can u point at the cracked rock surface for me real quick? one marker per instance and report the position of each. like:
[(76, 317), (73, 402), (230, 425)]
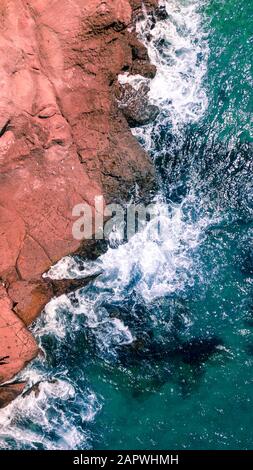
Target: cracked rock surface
[(63, 141)]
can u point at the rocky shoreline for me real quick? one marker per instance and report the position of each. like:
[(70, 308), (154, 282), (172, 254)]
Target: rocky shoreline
[(64, 138)]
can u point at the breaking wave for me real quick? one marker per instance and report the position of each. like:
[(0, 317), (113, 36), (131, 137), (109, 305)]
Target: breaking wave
[(178, 46)]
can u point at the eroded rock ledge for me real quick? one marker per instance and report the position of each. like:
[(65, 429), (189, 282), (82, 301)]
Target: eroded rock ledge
[(63, 140)]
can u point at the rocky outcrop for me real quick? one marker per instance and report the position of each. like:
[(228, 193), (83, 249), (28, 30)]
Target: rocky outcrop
[(137, 5), (17, 346), (29, 298), (135, 104), (9, 392), (63, 141)]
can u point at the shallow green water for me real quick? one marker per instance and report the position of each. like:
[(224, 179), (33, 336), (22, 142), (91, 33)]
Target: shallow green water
[(187, 383)]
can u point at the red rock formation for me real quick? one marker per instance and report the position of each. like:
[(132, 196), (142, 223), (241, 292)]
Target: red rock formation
[(63, 141), (10, 392), (17, 346)]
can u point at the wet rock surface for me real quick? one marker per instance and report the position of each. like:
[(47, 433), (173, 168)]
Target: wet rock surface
[(135, 105), (63, 141), (9, 392), (17, 346)]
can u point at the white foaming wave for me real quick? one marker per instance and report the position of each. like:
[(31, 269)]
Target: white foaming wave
[(55, 323), (180, 70), (109, 332), (69, 268), (179, 49), (152, 265), (60, 314), (30, 419), (164, 262)]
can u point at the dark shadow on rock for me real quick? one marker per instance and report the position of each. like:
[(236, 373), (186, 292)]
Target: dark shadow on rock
[(135, 105), (9, 392), (92, 249), (66, 286)]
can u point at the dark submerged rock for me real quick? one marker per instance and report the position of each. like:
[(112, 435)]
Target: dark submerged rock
[(161, 13), (194, 352), (199, 350)]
